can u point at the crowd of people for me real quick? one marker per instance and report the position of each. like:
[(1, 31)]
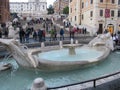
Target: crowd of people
[(46, 27), (26, 31), (116, 38)]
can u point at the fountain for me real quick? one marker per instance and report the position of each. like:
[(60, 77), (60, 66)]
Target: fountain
[(24, 77), (98, 49), (71, 47)]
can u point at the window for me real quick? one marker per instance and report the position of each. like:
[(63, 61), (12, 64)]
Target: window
[(82, 4), (91, 14), (75, 18), (118, 13), (21, 9), (101, 13), (113, 1), (91, 1), (112, 13), (101, 1), (43, 7)]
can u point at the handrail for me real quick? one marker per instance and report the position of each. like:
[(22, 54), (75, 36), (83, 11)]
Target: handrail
[(91, 80)]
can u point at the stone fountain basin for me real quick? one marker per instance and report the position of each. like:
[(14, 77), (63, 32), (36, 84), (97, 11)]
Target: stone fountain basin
[(46, 64)]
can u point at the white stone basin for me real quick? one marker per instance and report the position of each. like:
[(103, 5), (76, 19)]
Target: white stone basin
[(67, 64)]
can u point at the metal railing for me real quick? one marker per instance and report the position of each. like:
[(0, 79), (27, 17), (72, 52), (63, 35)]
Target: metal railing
[(92, 80)]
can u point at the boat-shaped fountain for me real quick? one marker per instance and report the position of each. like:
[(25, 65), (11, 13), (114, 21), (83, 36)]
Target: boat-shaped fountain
[(61, 59)]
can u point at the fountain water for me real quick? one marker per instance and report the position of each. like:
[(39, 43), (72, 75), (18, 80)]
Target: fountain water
[(71, 41)]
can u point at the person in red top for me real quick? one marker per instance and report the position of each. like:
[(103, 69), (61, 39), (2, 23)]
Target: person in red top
[(43, 34), (73, 32)]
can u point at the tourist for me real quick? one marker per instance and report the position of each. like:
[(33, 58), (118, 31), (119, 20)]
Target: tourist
[(118, 38), (115, 39), (61, 34), (43, 34), (27, 34), (35, 34), (6, 31), (55, 33), (85, 31), (22, 35), (73, 32), (70, 32), (40, 33), (0, 33), (52, 34)]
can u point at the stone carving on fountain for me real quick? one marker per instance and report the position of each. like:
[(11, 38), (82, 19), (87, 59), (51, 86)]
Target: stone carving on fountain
[(102, 40), (22, 55)]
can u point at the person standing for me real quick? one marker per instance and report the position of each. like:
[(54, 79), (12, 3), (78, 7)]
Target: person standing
[(55, 33), (73, 32), (61, 34), (85, 31), (35, 34), (22, 35), (6, 32), (40, 33), (43, 34), (52, 34), (115, 38), (27, 34), (70, 32), (0, 33)]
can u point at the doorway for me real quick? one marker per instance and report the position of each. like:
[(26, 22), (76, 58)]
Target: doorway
[(100, 30)]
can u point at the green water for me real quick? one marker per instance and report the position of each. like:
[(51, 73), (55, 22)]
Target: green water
[(21, 79)]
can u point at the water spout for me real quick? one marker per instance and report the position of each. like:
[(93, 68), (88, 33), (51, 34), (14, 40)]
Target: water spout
[(71, 41), (61, 44), (76, 42)]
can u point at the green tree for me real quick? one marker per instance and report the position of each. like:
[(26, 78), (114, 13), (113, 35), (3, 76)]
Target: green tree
[(50, 9), (66, 10)]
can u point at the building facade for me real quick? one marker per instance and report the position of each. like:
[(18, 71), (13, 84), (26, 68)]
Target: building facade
[(59, 5), (118, 20), (32, 7), (96, 15), (4, 11)]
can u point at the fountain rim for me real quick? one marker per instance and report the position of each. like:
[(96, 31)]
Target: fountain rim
[(105, 50)]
